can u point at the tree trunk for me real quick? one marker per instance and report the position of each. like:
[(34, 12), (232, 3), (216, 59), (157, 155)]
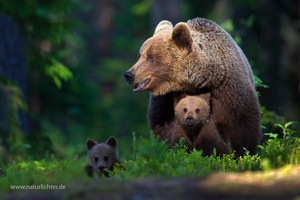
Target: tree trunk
[(12, 78)]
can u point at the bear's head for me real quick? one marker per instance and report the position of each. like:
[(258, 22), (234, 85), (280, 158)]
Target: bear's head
[(192, 111), (162, 58), (102, 155)]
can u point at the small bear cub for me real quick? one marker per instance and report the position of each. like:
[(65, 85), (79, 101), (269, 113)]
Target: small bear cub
[(103, 156), (193, 115)]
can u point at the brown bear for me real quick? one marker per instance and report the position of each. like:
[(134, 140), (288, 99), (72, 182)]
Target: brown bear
[(198, 57), (103, 156), (192, 113)]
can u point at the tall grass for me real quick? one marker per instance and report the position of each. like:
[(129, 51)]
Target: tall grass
[(150, 158)]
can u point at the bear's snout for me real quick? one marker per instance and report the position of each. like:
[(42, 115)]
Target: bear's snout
[(189, 119), (129, 77), (100, 167)]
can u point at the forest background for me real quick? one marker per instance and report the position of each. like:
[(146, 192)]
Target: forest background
[(62, 64)]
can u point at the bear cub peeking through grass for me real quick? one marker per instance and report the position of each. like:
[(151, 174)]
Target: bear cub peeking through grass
[(193, 114), (103, 156)]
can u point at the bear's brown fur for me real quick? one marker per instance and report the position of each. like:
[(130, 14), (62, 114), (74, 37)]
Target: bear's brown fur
[(197, 57), (103, 156), (192, 113)]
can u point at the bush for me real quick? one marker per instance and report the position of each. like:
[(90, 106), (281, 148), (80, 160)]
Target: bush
[(278, 152)]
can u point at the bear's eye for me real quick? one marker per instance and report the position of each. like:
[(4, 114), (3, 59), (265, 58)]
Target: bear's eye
[(150, 58), (105, 158), (185, 110), (197, 110), (96, 159)]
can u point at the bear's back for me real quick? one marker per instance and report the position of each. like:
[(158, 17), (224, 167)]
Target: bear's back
[(214, 32)]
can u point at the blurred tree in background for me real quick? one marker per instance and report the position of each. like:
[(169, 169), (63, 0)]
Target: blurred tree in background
[(69, 58)]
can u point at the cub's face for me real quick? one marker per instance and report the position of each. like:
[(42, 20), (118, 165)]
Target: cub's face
[(192, 111), (159, 59), (102, 155)]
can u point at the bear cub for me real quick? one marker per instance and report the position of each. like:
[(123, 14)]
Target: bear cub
[(193, 114), (103, 156)]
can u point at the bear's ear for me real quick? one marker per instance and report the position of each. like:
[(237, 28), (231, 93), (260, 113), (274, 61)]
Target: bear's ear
[(181, 36), (163, 25), (90, 143), (112, 141)]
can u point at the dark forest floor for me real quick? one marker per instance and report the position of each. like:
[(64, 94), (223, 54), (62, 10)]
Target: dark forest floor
[(283, 183)]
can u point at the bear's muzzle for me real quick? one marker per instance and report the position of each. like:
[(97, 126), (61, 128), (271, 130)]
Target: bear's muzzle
[(129, 77)]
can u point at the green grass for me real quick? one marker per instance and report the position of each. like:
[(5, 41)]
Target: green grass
[(149, 158)]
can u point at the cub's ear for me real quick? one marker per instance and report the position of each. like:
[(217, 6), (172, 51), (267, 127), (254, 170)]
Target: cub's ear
[(112, 141), (163, 25), (181, 36), (90, 143)]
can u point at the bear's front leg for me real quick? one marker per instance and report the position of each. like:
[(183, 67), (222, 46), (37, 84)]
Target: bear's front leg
[(160, 110), (89, 170), (209, 139)]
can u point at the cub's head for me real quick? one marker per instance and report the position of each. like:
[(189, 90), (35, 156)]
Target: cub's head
[(192, 111), (103, 155), (160, 59)]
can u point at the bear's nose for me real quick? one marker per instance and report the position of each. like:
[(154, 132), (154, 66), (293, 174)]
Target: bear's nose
[(189, 119), (129, 77), (101, 167)]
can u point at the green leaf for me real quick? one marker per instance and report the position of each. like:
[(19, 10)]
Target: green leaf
[(272, 135), (23, 165), (259, 83), (228, 25), (288, 124), (58, 72), (280, 126)]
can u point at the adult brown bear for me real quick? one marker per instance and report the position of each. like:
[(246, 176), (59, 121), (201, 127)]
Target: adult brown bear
[(198, 57)]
